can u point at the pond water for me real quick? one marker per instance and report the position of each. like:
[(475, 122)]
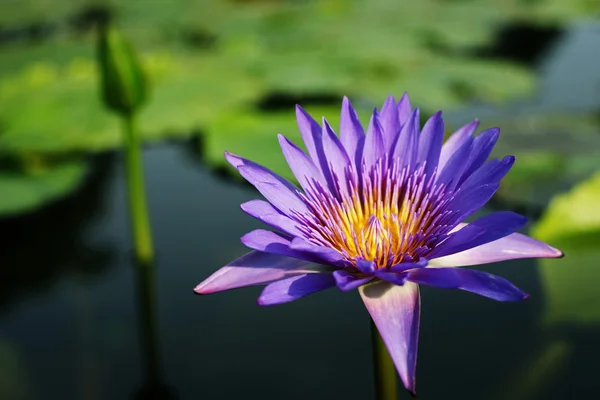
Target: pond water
[(78, 320), (70, 321)]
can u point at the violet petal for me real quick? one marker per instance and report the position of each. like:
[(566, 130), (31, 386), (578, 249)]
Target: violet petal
[(396, 313), (254, 268), (265, 212), (347, 281), (290, 289), (511, 247), (479, 282), (481, 231)]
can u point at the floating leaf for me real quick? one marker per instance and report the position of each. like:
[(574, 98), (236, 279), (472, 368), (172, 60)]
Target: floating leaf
[(572, 223), (573, 214), (26, 191)]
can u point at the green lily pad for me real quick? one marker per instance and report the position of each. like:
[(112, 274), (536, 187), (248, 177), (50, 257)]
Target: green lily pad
[(65, 114), (553, 152), (27, 191), (254, 136), (572, 223), (573, 214)]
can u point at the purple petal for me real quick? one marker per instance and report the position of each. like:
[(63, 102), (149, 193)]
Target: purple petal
[(313, 139), (396, 311), (491, 172), (401, 267), (511, 247), (483, 144), (397, 278), (405, 147), (311, 134), (338, 161), (325, 254), (347, 281), (265, 212), (467, 201), (456, 140), (301, 165), (293, 288), (481, 231), (404, 109), (278, 191), (430, 143), (452, 171), (390, 122), (352, 134), (366, 267), (254, 268), (478, 282), (374, 147), (276, 243)]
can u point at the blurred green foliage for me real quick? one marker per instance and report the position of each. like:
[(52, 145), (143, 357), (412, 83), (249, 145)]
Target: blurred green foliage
[(572, 223), (553, 152), (211, 62)]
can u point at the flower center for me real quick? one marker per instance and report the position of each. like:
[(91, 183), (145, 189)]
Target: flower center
[(389, 214)]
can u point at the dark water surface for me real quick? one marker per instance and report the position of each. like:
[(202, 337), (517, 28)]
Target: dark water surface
[(71, 331)]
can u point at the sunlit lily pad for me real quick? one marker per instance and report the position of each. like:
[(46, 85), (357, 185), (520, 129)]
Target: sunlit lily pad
[(57, 109), (572, 223)]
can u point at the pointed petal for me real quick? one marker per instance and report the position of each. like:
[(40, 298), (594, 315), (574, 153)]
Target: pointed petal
[(483, 144), (374, 147), (301, 165), (479, 282), (325, 254), (266, 213), (254, 268), (472, 199), (352, 134), (287, 290), (278, 191), (347, 281), (405, 147), (481, 231), (313, 138), (311, 134), (390, 122), (396, 311), (276, 243), (430, 143), (404, 109), (491, 172), (452, 171), (337, 159), (456, 140), (511, 247)]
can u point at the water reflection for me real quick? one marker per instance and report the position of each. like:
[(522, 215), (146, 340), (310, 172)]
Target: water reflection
[(41, 248), (154, 387)]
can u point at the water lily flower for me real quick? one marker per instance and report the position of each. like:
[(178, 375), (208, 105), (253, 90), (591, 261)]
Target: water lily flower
[(381, 212)]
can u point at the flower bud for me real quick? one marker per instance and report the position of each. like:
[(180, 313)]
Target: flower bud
[(122, 80)]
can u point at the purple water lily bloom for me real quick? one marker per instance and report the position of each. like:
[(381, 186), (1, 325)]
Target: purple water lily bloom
[(382, 212)]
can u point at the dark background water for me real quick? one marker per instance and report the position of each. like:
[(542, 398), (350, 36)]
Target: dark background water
[(79, 320), (70, 311)]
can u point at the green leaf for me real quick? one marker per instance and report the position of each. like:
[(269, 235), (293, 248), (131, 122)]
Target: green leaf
[(572, 214), (572, 223), (27, 191)]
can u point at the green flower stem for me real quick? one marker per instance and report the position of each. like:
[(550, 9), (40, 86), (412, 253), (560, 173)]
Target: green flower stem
[(138, 209), (386, 377)]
